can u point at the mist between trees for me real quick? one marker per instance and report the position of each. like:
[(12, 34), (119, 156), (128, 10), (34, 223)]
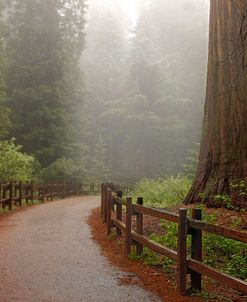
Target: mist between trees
[(90, 90)]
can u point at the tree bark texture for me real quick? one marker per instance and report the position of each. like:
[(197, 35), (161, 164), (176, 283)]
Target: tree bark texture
[(223, 153)]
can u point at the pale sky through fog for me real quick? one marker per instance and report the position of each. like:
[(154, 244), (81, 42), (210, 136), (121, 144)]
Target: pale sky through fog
[(130, 6)]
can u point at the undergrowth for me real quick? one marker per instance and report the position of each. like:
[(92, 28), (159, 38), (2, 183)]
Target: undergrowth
[(229, 256), (162, 192)]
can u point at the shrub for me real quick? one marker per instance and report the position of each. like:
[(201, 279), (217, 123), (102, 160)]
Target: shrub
[(163, 192), (15, 165)]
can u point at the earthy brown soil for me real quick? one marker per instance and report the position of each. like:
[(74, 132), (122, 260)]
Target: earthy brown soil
[(160, 283), (148, 277)]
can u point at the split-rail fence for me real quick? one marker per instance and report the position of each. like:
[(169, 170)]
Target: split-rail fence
[(15, 193), (112, 203)]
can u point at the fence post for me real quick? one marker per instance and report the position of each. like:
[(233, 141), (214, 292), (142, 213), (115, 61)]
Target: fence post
[(196, 251), (43, 193), (51, 191), (182, 252), (10, 195), (109, 209), (139, 227), (32, 191), (128, 238), (102, 200), (20, 193), (105, 203), (63, 191), (119, 213), (92, 189)]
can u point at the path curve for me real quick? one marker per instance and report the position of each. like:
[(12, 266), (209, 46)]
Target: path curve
[(47, 254)]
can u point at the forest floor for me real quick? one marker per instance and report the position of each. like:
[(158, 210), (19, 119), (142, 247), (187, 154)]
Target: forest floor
[(154, 278)]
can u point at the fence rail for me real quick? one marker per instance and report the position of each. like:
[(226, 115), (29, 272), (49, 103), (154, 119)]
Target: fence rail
[(15, 193), (112, 203)]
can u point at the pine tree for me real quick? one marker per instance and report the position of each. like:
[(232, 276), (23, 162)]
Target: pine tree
[(45, 87), (4, 111)]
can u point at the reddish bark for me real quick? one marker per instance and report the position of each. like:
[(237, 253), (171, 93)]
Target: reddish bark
[(223, 153)]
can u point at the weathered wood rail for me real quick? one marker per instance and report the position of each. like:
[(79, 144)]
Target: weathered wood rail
[(15, 193), (112, 203)]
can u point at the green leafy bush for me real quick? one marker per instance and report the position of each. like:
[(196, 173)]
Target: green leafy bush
[(163, 192), (15, 165)]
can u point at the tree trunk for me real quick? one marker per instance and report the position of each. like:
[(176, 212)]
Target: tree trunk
[(223, 153)]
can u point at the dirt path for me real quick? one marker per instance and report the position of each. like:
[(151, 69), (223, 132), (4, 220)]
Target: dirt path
[(47, 254)]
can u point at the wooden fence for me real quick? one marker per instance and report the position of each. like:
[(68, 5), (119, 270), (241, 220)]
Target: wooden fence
[(112, 204), (15, 193)]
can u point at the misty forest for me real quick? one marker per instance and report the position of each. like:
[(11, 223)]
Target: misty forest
[(143, 101), (125, 92), (91, 90)]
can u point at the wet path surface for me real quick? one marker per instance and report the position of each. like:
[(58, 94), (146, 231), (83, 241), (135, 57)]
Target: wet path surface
[(46, 254)]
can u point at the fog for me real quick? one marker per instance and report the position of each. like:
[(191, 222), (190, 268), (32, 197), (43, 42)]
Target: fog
[(103, 90), (145, 73)]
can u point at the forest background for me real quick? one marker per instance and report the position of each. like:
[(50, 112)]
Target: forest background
[(94, 91)]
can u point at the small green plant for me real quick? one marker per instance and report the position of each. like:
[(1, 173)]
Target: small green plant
[(241, 187), (113, 235), (224, 200), (151, 258)]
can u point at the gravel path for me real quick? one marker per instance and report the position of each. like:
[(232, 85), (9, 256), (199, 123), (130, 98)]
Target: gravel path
[(46, 254)]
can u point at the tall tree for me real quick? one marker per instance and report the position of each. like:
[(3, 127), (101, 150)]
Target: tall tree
[(45, 89), (4, 111), (223, 156)]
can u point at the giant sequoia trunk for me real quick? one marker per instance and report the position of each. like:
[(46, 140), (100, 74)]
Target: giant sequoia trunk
[(223, 153)]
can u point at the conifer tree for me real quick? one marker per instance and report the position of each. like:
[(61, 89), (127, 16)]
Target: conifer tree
[(45, 87), (4, 111)]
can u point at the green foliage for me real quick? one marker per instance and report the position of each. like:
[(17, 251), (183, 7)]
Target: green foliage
[(163, 192), (43, 78), (230, 256), (5, 123), (14, 164), (226, 254), (61, 170), (151, 258), (224, 200), (241, 188)]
